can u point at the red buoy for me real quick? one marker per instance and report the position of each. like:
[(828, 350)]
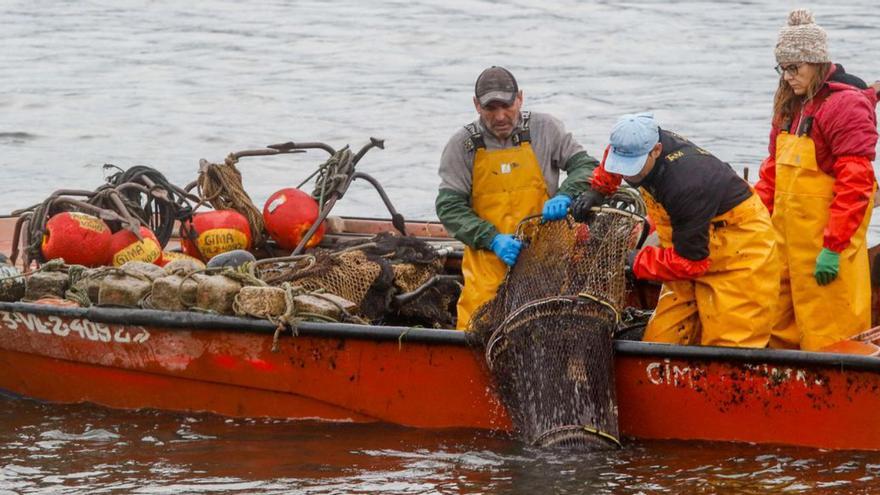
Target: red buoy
[(214, 232), (289, 213), (79, 238), (125, 247)]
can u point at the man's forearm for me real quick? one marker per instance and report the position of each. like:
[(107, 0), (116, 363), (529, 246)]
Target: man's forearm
[(455, 212), (578, 169)]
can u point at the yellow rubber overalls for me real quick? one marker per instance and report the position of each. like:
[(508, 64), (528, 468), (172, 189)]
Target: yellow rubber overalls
[(507, 186), (809, 315), (732, 303)]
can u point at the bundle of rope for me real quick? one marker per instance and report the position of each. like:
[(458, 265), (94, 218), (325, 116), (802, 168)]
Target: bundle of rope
[(34, 232), (130, 198), (159, 204), (220, 186), (84, 284), (332, 175)]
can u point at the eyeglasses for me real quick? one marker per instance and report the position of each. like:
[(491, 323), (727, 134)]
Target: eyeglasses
[(790, 69)]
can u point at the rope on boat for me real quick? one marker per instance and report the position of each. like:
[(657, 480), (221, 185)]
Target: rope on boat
[(130, 198), (242, 274), (220, 186), (77, 274), (293, 316), (332, 176), (628, 199), (36, 229), (159, 204), (288, 319), (55, 265)]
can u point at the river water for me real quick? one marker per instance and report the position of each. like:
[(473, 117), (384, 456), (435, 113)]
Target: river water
[(86, 449), (164, 83)]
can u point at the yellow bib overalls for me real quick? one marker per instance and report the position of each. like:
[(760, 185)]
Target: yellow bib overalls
[(809, 315), (732, 303), (507, 186)]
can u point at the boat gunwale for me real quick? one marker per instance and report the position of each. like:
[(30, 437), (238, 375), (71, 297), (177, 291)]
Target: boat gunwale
[(202, 321)]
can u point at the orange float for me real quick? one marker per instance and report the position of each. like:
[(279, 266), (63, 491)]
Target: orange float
[(125, 247), (288, 214), (213, 232), (78, 238)]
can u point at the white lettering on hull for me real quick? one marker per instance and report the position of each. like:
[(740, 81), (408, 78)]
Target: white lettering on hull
[(75, 327), (666, 373)]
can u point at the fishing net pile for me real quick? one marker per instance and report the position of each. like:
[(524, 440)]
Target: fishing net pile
[(80, 246), (385, 279), (388, 278), (547, 335)]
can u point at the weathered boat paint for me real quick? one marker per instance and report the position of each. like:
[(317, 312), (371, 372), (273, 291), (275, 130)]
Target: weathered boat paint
[(419, 377)]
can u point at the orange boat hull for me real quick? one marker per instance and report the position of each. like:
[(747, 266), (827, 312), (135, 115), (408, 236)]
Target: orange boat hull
[(422, 378)]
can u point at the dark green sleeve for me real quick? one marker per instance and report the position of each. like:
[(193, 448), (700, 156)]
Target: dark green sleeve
[(578, 170), (455, 212)]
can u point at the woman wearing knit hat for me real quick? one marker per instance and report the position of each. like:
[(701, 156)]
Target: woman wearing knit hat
[(818, 183)]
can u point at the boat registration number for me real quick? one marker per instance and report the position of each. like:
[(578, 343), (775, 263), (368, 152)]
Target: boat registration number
[(74, 327)]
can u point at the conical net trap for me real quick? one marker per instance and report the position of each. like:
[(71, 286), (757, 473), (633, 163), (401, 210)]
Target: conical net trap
[(548, 332)]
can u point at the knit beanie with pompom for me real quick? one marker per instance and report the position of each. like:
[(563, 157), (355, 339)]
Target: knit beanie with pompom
[(802, 40)]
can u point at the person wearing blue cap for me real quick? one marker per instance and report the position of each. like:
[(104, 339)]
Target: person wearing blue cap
[(498, 170), (717, 258)]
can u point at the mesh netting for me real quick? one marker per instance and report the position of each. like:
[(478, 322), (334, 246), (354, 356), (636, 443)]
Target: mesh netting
[(548, 332), (352, 276), (372, 273)]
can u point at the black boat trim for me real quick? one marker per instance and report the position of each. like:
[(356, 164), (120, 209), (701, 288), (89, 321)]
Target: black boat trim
[(202, 321)]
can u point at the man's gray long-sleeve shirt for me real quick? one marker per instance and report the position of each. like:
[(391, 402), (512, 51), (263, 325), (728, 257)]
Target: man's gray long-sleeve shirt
[(555, 149)]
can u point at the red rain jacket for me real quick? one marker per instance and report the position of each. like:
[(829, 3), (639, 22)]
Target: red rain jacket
[(845, 135)]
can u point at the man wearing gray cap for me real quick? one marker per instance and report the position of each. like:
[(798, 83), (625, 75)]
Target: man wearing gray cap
[(717, 258), (498, 170)]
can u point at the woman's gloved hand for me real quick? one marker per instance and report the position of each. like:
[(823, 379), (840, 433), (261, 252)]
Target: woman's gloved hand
[(827, 266), (506, 247), (580, 209), (556, 208)]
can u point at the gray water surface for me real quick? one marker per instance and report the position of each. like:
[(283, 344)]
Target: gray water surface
[(87, 450), (164, 83)]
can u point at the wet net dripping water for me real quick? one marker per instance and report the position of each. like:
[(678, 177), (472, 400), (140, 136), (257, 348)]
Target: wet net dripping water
[(547, 335)]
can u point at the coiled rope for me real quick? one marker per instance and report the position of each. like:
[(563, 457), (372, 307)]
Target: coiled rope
[(220, 186), (332, 176), (159, 214)]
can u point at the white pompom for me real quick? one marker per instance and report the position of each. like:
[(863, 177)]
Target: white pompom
[(800, 16)]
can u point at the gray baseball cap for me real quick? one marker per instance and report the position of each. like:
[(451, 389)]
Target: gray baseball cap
[(496, 84)]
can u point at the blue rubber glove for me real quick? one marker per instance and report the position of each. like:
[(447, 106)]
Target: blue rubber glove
[(556, 208), (506, 247)]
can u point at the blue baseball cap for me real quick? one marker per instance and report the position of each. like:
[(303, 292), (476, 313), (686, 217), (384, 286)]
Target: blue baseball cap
[(632, 139)]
